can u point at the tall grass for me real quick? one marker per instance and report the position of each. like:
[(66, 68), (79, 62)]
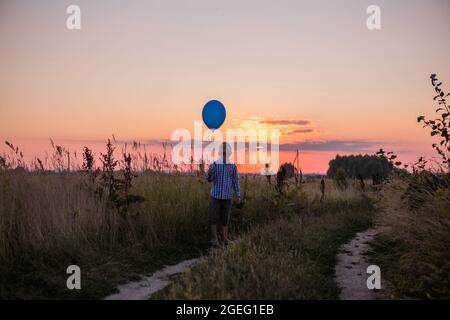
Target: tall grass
[(52, 216), (292, 257), (413, 249), (49, 221)]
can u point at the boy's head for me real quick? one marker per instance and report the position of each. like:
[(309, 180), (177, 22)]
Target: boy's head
[(225, 152)]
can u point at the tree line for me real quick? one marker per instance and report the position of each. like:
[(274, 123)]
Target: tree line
[(356, 166)]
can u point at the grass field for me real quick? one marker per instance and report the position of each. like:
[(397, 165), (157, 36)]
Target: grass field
[(50, 221), (414, 245), (286, 244), (292, 257)]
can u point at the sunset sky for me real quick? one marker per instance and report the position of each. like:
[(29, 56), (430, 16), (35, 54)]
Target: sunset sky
[(141, 69)]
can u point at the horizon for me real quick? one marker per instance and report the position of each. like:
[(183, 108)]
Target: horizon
[(44, 151)]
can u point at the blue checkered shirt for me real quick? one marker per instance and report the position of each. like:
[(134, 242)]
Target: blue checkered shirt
[(225, 179)]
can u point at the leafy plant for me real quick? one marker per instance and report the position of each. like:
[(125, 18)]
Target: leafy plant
[(440, 126), (340, 179), (389, 156), (89, 164), (108, 180), (118, 190), (285, 172)]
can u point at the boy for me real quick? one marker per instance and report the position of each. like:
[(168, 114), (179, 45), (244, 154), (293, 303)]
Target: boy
[(224, 177)]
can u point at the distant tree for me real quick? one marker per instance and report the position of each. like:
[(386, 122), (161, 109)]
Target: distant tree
[(364, 166), (340, 179)]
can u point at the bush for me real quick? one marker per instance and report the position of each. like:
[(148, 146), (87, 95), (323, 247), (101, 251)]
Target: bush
[(340, 179)]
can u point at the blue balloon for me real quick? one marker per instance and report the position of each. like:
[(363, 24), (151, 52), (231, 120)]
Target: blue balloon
[(214, 114)]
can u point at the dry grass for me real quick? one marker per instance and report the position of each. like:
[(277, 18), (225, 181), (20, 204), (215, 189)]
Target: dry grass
[(51, 220), (292, 257), (413, 249)]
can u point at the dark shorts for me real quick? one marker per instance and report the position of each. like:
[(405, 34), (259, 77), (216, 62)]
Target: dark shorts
[(219, 211)]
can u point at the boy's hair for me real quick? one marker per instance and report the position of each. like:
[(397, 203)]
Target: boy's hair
[(227, 147)]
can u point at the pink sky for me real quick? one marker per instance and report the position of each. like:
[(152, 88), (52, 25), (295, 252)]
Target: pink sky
[(141, 69)]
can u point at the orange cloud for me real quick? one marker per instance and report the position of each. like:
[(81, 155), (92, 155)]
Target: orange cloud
[(299, 131), (287, 122), (288, 128)]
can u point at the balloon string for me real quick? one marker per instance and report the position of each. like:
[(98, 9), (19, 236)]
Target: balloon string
[(209, 133)]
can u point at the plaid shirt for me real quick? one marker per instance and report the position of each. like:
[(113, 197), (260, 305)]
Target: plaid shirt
[(225, 179)]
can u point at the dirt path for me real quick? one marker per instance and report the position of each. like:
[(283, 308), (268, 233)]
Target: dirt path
[(352, 259), (145, 288), (351, 268)]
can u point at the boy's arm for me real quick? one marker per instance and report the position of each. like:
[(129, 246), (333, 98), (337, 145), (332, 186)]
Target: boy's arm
[(210, 175), (236, 182)]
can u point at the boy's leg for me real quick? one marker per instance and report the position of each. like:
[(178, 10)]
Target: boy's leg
[(213, 220), (224, 219), (225, 234), (214, 238), (220, 232)]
